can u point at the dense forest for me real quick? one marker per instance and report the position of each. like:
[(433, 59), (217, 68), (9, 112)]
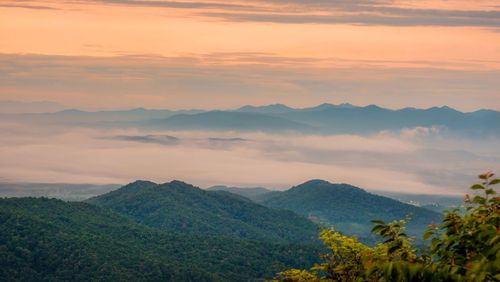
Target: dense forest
[(181, 207), (465, 246), (177, 232), (46, 239), (347, 208)]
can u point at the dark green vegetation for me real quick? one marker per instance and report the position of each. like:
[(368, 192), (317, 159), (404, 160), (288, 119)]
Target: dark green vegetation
[(465, 246), (180, 207), (349, 209), (255, 194), (46, 239), (178, 232)]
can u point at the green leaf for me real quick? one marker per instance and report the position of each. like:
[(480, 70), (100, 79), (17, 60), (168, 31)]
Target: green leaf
[(428, 234), (490, 192), (495, 181), (378, 221), (478, 200), (377, 228), (477, 187)]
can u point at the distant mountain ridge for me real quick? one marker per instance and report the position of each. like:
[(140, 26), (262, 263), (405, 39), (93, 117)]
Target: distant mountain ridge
[(228, 120), (322, 119)]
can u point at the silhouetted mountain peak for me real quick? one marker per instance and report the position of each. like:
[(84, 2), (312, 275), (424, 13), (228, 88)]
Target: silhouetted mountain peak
[(142, 183), (71, 111), (319, 184), (178, 183), (375, 108), (271, 109), (140, 109), (315, 182)]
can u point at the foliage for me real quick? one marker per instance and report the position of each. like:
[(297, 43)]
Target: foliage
[(464, 247), (348, 208), (180, 207), (51, 240)]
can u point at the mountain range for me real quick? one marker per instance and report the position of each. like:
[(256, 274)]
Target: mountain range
[(321, 119), (180, 207), (347, 208), (51, 240), (178, 232)]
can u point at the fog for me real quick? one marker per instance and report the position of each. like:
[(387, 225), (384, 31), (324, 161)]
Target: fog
[(418, 160)]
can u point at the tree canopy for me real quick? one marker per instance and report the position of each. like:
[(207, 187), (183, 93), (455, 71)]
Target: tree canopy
[(463, 247)]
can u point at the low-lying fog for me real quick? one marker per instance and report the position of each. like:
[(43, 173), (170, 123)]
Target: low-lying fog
[(418, 160)]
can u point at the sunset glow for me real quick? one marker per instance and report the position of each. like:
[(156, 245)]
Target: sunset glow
[(329, 38)]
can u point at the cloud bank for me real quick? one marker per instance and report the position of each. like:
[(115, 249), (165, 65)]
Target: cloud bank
[(387, 161)]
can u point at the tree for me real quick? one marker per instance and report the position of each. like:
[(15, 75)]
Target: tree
[(463, 247)]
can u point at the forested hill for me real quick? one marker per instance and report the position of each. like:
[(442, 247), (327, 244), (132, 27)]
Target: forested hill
[(347, 208), (51, 240), (252, 193), (181, 207)]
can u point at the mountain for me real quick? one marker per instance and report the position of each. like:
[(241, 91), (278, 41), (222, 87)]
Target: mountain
[(180, 207), (226, 120), (372, 119), (349, 209), (253, 194), (118, 118), (322, 119), (280, 108), (336, 119), (65, 191), (50, 240), (269, 109)]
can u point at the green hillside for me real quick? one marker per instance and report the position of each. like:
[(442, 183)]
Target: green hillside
[(180, 207), (349, 209), (46, 240), (252, 193)]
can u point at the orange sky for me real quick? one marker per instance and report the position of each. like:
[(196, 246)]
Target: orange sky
[(415, 35)]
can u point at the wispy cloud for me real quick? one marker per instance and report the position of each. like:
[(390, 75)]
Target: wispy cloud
[(406, 18), (25, 6), (359, 12)]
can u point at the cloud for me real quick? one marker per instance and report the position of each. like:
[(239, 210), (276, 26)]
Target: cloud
[(358, 12), (425, 18), (26, 6), (155, 139), (419, 132), (376, 162)]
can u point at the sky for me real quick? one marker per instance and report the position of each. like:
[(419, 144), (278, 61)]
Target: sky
[(115, 54), (224, 54)]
